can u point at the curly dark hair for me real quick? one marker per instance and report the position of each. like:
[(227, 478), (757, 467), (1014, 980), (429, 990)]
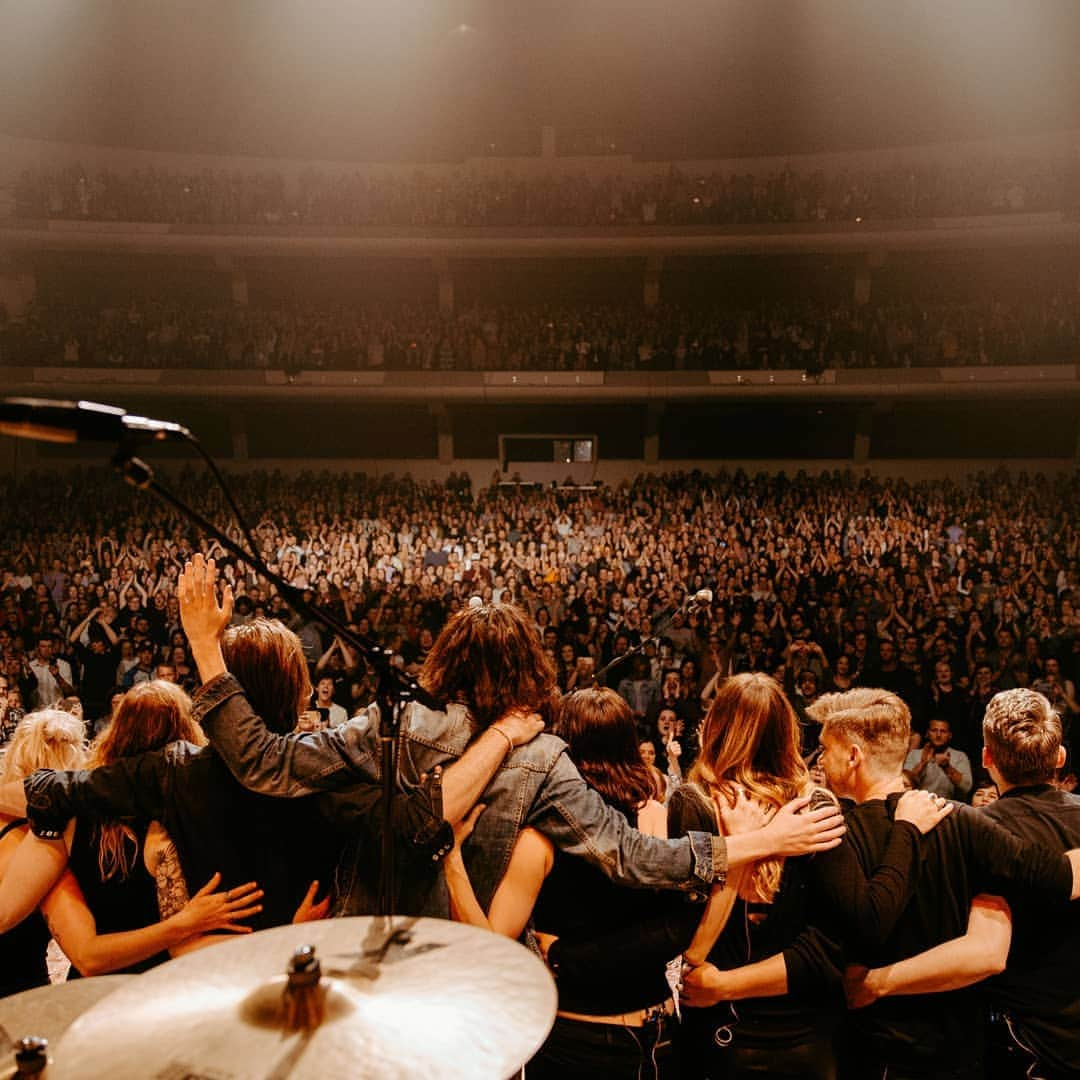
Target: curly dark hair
[(489, 659)]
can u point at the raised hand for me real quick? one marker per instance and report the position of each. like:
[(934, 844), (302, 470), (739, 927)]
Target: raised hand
[(203, 618)]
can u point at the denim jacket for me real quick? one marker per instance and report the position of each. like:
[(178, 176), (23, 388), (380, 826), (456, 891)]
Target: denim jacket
[(536, 786)]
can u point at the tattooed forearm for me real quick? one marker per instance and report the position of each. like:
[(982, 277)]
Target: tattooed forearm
[(172, 893)]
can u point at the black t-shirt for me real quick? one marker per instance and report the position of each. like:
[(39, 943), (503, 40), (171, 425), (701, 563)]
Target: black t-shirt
[(812, 1006), (98, 678), (1040, 988), (965, 855), (125, 901), (581, 906)]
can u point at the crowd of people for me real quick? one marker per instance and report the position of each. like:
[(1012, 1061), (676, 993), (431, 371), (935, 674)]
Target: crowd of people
[(803, 335), (355, 198), (713, 649), (942, 592)]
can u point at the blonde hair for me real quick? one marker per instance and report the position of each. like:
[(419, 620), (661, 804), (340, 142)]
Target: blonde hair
[(47, 739), (1023, 734), (149, 716), (750, 740), (877, 719)]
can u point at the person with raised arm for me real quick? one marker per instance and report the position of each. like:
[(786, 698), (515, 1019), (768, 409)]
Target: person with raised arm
[(486, 663)]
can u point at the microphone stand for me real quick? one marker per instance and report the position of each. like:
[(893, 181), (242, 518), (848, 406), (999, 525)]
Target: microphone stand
[(685, 609), (395, 688)]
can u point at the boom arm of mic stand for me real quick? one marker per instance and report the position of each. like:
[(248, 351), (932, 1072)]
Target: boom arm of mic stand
[(639, 648), (395, 688), (140, 475)]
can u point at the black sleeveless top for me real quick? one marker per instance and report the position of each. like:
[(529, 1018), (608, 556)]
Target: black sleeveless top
[(22, 948), (578, 904), (123, 902)]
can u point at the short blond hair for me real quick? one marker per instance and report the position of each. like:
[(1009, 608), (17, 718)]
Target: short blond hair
[(1023, 735), (877, 719), (46, 739)]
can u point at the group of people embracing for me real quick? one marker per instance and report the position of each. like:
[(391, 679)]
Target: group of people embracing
[(756, 925)]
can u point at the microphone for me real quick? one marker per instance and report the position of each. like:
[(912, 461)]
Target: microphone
[(475, 602), (79, 421)]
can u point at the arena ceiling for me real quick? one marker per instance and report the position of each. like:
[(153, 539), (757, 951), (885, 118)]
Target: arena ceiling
[(442, 79)]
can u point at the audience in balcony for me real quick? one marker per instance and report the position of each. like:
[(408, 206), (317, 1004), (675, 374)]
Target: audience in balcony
[(797, 335), (394, 197)]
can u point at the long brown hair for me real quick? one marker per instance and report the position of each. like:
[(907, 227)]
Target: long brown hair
[(267, 659), (489, 659), (600, 732), (750, 740), (149, 716)]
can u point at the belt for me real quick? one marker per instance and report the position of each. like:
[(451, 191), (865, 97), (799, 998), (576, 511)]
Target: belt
[(629, 1019)]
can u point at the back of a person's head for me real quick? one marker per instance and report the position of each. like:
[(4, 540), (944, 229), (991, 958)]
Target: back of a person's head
[(750, 741), (150, 715), (750, 738), (602, 737), (267, 659), (1023, 735), (876, 719), (47, 739), (490, 659)]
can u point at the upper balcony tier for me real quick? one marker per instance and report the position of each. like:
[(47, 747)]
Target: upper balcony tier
[(1000, 193)]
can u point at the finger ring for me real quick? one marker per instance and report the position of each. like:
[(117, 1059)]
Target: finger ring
[(228, 894)]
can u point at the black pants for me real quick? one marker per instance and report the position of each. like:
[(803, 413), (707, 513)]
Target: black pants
[(1008, 1059), (856, 1067), (709, 1049), (579, 1049)]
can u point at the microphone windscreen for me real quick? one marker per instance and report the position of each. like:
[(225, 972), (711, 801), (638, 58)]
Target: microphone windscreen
[(475, 602)]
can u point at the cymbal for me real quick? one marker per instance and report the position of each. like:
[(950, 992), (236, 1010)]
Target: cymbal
[(49, 1011), (438, 999)]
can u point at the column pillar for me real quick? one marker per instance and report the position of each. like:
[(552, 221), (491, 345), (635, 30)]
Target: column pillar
[(446, 283), (653, 265), (444, 432), (862, 283), (864, 425), (238, 434), (238, 283), (654, 415), (868, 263), (18, 286)]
